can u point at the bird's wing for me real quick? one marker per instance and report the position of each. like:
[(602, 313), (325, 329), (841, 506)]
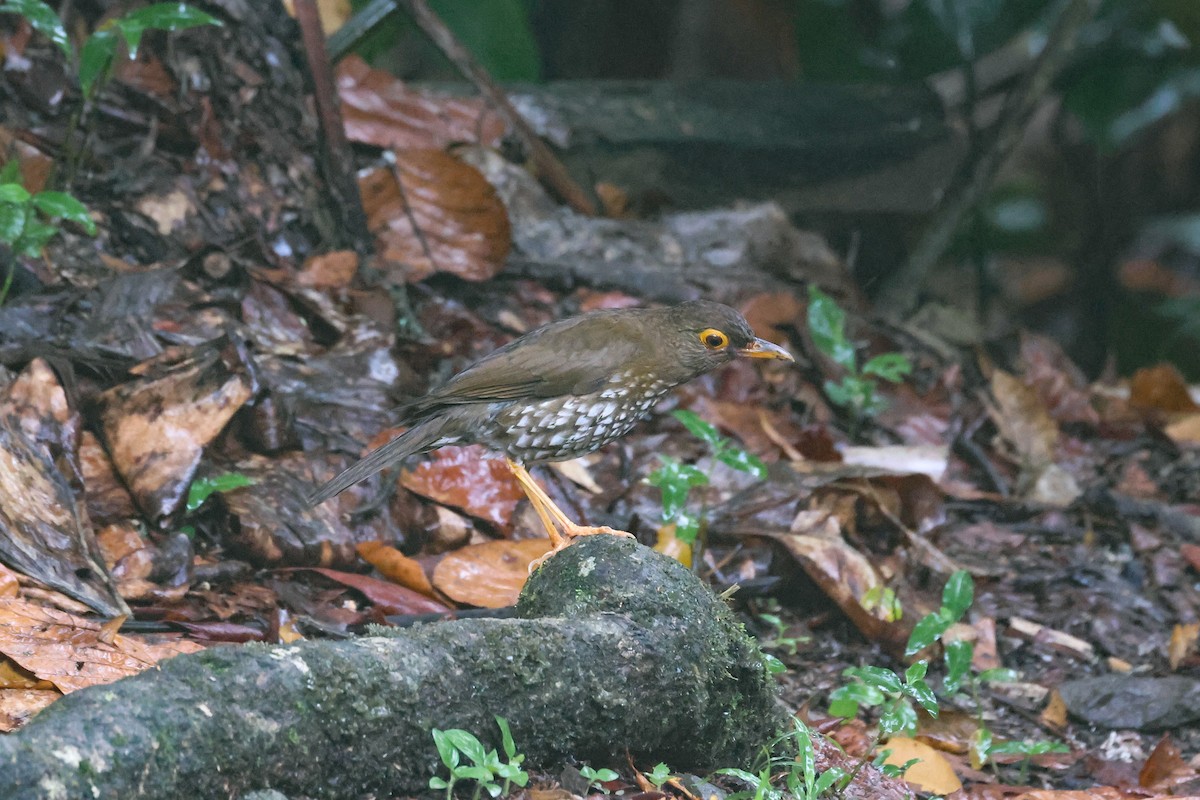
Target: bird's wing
[(577, 362)]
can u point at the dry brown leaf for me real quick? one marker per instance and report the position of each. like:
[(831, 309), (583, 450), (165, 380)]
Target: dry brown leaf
[(68, 650), (1164, 760), (932, 772), (157, 428), (447, 219), (1160, 388), (380, 109), (1185, 431), (395, 566), (1023, 420), (18, 706), (333, 270), (1054, 715), (9, 584), (489, 575)]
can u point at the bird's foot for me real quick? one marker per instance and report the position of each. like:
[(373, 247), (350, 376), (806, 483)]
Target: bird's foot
[(571, 531), (564, 540)]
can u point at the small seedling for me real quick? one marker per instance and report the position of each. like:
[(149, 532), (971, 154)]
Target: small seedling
[(876, 687), (779, 640), (485, 767), (597, 777), (857, 390), (203, 488), (28, 221), (676, 480), (659, 775), (93, 62), (798, 771)]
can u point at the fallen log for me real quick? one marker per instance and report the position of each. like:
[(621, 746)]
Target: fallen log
[(613, 647)]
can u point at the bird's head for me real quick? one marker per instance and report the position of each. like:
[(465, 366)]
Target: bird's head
[(706, 335)]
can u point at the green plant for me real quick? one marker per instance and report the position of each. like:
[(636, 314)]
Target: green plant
[(93, 62), (798, 770), (659, 775), (485, 767), (595, 777), (856, 391), (779, 640), (676, 479), (876, 687), (28, 221), (202, 488)]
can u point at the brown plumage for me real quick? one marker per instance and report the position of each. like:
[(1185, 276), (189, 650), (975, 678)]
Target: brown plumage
[(567, 388)]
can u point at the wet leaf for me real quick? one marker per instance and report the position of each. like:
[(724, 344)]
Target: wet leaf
[(380, 109), (396, 567), (70, 651), (827, 326), (43, 19), (203, 488), (471, 479), (387, 597), (61, 205), (490, 574), (448, 218)]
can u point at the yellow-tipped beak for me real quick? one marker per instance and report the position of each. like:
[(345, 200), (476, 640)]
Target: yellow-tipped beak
[(761, 348)]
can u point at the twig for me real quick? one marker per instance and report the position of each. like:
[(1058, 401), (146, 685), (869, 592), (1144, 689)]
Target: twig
[(339, 160), (547, 165), (901, 292)]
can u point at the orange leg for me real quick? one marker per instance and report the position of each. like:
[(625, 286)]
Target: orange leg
[(553, 517)]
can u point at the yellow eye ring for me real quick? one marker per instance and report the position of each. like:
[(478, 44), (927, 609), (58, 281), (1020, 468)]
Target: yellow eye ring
[(713, 339)]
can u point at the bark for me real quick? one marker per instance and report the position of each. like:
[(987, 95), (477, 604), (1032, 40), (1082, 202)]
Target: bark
[(613, 646)]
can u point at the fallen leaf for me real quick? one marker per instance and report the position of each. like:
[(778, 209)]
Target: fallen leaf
[(1183, 642), (443, 217), (379, 109), (468, 478), (1160, 388), (395, 566), (69, 651), (388, 597), (490, 574), (932, 772)]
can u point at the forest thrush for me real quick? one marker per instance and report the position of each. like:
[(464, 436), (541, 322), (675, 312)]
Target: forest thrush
[(566, 389)]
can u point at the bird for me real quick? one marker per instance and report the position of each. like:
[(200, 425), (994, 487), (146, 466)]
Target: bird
[(564, 390)]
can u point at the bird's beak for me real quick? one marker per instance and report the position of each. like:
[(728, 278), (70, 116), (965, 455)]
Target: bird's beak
[(761, 348)]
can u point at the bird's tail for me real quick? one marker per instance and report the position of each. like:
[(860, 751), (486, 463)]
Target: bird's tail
[(417, 439)]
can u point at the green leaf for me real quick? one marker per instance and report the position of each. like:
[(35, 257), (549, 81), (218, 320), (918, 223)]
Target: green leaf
[(202, 488), (43, 19), (1026, 748), (14, 193), (957, 656), (827, 779), (827, 325), (698, 427), (446, 750), (998, 675), (163, 17), (659, 775), (927, 631), (958, 595), (920, 691), (843, 707), (506, 739), (804, 752), (885, 679), (898, 717), (891, 367), (35, 236), (742, 461), (774, 665), (11, 172), (438, 783), (675, 480), (467, 744), (95, 58), (860, 693), (12, 222), (64, 206)]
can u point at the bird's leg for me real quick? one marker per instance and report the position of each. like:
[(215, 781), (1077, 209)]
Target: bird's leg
[(553, 517)]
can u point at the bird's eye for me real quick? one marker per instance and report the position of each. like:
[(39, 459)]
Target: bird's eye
[(713, 339)]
